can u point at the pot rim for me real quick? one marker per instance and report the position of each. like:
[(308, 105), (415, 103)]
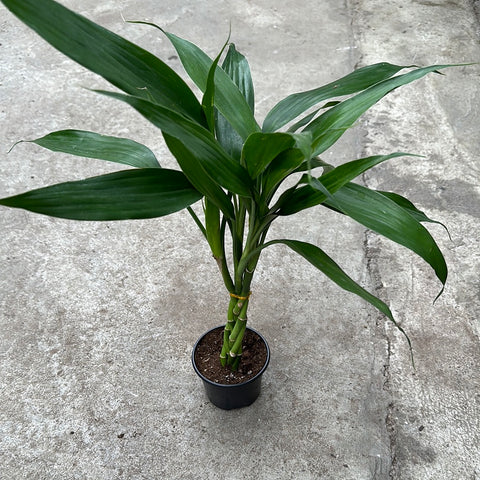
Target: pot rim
[(233, 385)]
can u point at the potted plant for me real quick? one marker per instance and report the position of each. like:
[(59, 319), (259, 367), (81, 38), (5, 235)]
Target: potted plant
[(230, 163)]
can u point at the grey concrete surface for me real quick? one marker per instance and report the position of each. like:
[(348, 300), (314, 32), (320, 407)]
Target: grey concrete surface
[(97, 321)]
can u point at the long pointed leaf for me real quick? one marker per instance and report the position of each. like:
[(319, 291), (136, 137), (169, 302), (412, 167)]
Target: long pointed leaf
[(228, 99), (122, 63), (197, 175), (330, 126), (236, 67), (199, 141), (382, 215), (294, 105), (297, 199), (101, 147), (208, 99), (411, 208), (315, 163), (319, 259), (130, 194), (303, 121)]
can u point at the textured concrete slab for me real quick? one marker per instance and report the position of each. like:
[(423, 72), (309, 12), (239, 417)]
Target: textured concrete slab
[(434, 414), (97, 320)]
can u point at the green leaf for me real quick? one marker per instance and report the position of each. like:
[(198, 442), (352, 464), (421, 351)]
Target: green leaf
[(261, 148), (213, 229), (129, 194), (330, 126), (294, 105), (316, 184), (198, 177), (279, 169), (303, 141), (408, 206), (236, 67), (370, 208), (303, 121), (125, 65), (315, 163), (287, 162), (228, 99), (297, 199), (382, 215), (197, 140), (101, 147), (319, 259), (308, 118), (208, 99)]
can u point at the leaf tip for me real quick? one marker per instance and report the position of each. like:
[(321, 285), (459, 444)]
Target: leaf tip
[(15, 144)]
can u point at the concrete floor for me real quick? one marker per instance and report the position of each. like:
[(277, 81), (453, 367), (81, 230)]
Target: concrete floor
[(97, 321)]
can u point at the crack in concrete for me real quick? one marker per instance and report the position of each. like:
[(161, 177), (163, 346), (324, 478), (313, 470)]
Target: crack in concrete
[(384, 459), (407, 449), (476, 8), (390, 426), (390, 419)]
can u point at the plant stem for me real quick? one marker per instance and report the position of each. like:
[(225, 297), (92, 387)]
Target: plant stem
[(228, 329), (197, 221), (246, 257), (232, 346), (222, 261), (240, 312)]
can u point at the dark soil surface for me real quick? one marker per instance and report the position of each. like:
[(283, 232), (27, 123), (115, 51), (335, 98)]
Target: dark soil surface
[(207, 358)]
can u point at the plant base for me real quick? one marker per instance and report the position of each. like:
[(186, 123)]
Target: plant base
[(226, 389)]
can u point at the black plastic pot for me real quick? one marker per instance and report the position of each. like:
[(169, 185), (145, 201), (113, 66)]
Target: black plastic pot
[(238, 395)]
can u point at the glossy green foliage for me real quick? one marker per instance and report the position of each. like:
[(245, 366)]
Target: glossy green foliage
[(223, 155), (129, 194), (236, 67), (101, 147), (125, 65), (296, 104), (199, 141), (229, 100)]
